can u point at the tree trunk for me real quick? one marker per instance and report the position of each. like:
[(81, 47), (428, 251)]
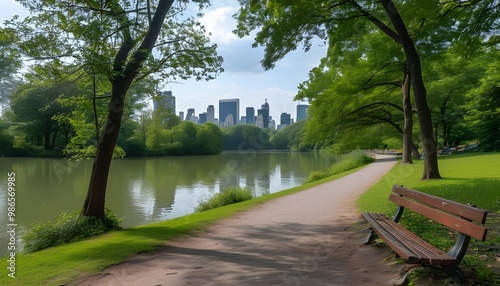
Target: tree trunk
[(53, 144), (431, 170), (408, 120), (94, 204), (414, 149), (47, 140)]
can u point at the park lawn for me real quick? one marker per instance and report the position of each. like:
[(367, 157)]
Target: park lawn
[(59, 265), (467, 178)]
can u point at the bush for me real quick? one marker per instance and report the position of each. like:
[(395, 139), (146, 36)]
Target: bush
[(68, 228), (228, 196), (346, 162)]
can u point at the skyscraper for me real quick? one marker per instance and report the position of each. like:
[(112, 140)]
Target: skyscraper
[(190, 113), (229, 107), (302, 111), (265, 114), (164, 100), (285, 118), (250, 115), (211, 114), (202, 118), (181, 115)]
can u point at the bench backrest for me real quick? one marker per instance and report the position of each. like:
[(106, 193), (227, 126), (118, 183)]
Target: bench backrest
[(465, 219)]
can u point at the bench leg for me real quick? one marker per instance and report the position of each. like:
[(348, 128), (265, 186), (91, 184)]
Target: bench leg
[(370, 237), (453, 273), (404, 272)]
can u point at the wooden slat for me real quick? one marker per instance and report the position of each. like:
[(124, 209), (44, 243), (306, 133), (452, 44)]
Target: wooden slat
[(451, 221), (465, 211), (407, 245)]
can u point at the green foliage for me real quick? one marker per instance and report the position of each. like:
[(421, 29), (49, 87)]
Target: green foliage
[(484, 111), (68, 228), (291, 138), (245, 137), (6, 140), (345, 163), (228, 196)]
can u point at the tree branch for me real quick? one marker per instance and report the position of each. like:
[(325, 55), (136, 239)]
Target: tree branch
[(388, 31)]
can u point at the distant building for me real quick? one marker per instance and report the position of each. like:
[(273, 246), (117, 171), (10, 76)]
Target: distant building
[(229, 107), (272, 124), (181, 115), (265, 114), (190, 113), (302, 111), (285, 119), (164, 100), (243, 120), (259, 122), (250, 115), (229, 120), (202, 118), (211, 114), (194, 119)]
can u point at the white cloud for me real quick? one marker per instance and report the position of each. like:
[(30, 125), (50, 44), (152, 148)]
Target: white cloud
[(220, 24)]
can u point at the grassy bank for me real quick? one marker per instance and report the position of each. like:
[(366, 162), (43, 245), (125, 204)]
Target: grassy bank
[(467, 178), (58, 265)]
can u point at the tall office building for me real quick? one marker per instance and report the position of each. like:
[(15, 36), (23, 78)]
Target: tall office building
[(181, 115), (164, 100), (259, 122), (302, 111), (211, 114), (190, 114), (264, 111), (202, 118), (229, 107), (285, 118), (250, 115)]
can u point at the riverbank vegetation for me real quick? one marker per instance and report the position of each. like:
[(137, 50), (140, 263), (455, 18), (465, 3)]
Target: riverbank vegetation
[(228, 196), (345, 162), (68, 228), (467, 178)]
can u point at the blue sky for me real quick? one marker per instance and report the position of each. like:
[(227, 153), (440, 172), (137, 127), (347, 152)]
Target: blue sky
[(243, 78)]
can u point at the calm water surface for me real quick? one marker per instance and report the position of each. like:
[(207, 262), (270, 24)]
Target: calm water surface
[(146, 190)]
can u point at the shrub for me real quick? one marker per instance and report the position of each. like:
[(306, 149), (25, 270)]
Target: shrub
[(228, 196), (346, 162), (68, 228)]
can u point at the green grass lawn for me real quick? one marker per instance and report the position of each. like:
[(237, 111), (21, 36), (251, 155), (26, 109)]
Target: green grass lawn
[(467, 178)]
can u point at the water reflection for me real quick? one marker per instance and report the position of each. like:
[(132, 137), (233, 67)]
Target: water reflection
[(144, 190)]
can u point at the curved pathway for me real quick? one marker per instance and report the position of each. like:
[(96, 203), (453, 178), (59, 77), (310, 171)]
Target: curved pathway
[(311, 237)]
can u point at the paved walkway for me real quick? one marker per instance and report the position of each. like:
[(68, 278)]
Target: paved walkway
[(309, 238)]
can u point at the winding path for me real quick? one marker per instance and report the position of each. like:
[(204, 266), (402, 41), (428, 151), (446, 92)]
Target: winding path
[(311, 237)]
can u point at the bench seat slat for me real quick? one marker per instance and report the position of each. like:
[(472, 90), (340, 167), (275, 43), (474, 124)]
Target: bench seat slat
[(407, 245)]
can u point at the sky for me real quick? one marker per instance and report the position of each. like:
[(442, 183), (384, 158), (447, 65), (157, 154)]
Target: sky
[(243, 76)]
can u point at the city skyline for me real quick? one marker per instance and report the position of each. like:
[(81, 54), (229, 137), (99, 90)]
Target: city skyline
[(299, 113)]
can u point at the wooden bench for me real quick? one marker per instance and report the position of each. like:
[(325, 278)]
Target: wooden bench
[(467, 220)]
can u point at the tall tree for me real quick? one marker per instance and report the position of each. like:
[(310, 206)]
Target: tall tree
[(484, 109), (284, 25), (9, 65), (125, 41)]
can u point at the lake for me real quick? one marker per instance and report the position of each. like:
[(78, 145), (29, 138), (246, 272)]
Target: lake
[(145, 190)]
